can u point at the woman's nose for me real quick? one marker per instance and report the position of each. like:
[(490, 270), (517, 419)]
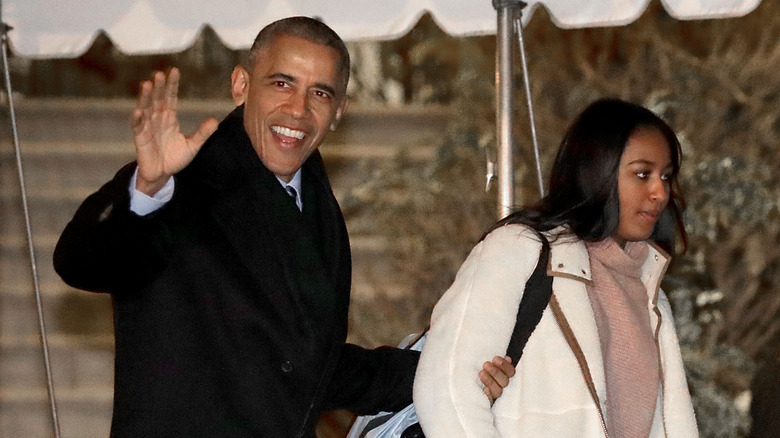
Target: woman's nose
[(659, 189)]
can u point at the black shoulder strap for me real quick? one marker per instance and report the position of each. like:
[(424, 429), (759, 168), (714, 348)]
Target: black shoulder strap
[(536, 297)]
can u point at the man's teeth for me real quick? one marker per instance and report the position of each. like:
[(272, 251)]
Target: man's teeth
[(287, 132)]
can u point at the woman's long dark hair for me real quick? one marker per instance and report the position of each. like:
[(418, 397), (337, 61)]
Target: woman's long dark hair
[(583, 195)]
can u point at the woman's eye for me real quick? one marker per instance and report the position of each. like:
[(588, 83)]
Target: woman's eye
[(643, 175)]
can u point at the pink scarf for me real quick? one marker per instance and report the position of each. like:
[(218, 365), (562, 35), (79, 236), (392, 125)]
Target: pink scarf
[(628, 346)]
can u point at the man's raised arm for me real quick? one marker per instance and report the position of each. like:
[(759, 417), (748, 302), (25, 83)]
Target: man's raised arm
[(161, 147)]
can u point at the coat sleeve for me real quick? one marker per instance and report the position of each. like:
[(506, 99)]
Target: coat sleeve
[(471, 323), (106, 247), (368, 381)]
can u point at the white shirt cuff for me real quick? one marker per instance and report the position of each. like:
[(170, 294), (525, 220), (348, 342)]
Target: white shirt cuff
[(143, 204)]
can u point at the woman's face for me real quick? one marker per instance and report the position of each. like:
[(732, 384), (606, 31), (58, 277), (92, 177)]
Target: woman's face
[(643, 184)]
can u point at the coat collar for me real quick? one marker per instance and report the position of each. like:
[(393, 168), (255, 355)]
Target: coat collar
[(240, 191), (569, 258)]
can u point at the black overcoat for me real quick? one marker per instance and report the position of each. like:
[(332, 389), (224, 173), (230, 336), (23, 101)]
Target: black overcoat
[(230, 305)]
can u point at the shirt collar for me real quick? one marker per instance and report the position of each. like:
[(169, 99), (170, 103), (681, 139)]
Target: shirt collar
[(295, 182)]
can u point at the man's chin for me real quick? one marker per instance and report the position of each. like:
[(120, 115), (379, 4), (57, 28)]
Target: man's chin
[(284, 172)]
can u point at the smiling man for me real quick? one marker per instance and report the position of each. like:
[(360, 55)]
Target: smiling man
[(227, 258), (292, 95)]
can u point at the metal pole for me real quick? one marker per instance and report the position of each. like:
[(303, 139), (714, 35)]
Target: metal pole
[(17, 150), (527, 82), (504, 101)]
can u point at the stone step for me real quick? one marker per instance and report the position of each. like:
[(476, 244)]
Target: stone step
[(51, 171), (77, 121), (69, 149), (82, 373), (49, 214), (76, 361), (368, 254), (54, 174), (82, 412), (85, 120), (15, 265), (69, 312), (55, 154)]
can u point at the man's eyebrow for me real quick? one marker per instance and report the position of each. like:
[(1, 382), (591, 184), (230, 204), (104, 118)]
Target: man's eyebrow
[(281, 76), (289, 78)]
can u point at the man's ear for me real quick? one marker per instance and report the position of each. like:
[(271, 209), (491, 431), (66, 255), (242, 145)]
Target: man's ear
[(239, 85), (340, 111)]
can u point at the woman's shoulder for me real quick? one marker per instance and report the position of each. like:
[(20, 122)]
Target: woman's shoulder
[(512, 232), (512, 238), (525, 233)]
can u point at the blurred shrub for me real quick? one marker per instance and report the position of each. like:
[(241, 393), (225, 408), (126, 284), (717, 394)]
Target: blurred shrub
[(714, 81)]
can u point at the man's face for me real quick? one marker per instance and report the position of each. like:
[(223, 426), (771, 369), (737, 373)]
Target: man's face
[(291, 99)]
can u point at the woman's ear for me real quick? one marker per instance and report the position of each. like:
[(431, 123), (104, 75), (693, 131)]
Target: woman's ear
[(239, 85)]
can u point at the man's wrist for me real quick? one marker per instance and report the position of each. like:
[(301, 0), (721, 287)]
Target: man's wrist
[(142, 203), (149, 188)]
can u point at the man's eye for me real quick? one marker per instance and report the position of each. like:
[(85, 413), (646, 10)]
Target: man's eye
[(322, 94)]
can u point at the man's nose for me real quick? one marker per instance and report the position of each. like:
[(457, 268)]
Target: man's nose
[(298, 104)]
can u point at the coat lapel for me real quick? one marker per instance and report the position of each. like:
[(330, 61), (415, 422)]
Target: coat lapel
[(329, 221), (267, 232), (570, 267)]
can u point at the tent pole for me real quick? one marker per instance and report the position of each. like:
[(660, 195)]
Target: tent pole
[(4, 29), (506, 10), (529, 103)]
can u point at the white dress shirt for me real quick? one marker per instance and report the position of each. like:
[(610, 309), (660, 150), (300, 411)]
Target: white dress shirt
[(143, 204)]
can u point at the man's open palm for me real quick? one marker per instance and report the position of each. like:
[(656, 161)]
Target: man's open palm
[(162, 150)]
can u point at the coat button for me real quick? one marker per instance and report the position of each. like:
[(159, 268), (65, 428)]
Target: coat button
[(656, 257), (287, 366)]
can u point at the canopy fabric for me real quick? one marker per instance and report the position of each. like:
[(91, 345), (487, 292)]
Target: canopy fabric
[(67, 28)]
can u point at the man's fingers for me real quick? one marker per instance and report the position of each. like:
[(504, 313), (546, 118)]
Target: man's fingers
[(203, 133), (158, 91), (172, 89), (145, 95), (137, 121), (142, 110)]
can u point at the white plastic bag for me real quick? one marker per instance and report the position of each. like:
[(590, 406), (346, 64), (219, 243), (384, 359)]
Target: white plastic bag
[(397, 423)]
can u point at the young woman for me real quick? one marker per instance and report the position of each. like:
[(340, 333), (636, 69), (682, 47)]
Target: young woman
[(604, 360)]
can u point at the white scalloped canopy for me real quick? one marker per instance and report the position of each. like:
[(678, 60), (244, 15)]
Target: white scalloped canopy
[(66, 28)]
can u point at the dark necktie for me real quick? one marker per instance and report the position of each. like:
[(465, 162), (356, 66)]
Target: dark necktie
[(293, 194)]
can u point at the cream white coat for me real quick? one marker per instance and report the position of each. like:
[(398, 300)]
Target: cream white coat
[(550, 395)]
